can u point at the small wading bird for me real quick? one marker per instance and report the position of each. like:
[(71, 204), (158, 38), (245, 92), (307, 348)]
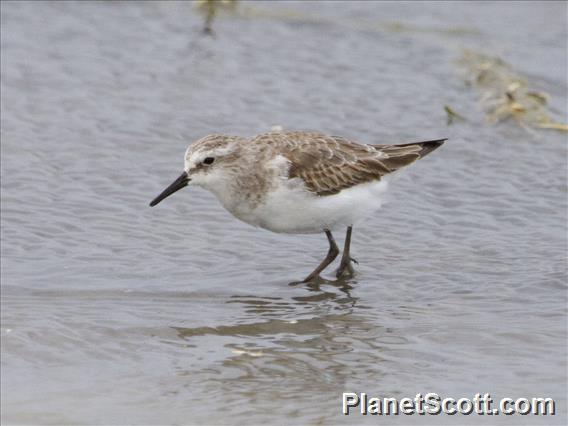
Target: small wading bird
[(297, 182)]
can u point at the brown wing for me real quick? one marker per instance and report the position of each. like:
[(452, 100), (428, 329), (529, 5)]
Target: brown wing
[(329, 164)]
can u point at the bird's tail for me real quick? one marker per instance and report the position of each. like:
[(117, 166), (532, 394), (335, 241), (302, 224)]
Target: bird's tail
[(427, 146), (399, 156)]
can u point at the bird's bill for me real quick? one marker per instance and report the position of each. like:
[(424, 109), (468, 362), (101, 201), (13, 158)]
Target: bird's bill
[(179, 183)]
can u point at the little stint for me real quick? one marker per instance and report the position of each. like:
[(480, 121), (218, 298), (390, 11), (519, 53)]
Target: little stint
[(297, 182)]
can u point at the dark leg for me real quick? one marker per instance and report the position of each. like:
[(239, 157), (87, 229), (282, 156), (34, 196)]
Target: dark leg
[(331, 255), (345, 268)]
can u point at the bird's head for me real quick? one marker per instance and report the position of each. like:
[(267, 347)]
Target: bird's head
[(210, 163)]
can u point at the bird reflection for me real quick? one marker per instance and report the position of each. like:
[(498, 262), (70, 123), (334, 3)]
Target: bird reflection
[(326, 302), (283, 344), (321, 291)]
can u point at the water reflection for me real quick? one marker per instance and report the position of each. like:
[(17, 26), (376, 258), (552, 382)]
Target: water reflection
[(303, 342), (321, 290), (273, 315)]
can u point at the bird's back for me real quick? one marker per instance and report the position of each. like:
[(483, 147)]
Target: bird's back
[(330, 164)]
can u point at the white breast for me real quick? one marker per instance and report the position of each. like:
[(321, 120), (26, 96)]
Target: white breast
[(291, 209)]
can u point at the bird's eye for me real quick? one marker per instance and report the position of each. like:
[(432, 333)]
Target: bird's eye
[(208, 160)]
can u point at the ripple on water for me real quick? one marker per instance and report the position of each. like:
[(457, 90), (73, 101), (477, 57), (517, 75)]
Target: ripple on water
[(118, 313)]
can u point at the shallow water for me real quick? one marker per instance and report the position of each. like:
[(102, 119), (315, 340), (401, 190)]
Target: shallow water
[(116, 313)]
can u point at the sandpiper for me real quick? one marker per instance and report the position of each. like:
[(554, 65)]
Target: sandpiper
[(297, 182)]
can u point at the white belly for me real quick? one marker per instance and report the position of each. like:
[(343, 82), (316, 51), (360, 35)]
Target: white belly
[(291, 209)]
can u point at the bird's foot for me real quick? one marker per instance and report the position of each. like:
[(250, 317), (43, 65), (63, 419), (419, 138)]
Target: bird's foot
[(345, 268)]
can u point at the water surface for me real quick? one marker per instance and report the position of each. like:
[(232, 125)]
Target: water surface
[(115, 313)]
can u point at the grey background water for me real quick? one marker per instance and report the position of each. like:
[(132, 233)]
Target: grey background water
[(115, 313)]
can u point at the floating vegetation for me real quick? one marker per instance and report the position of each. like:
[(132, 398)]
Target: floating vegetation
[(505, 94), (210, 8), (452, 115)]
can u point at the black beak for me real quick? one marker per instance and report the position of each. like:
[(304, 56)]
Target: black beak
[(179, 183)]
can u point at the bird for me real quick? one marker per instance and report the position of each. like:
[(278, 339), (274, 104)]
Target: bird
[(298, 182)]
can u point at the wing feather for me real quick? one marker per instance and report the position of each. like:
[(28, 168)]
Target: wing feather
[(329, 164)]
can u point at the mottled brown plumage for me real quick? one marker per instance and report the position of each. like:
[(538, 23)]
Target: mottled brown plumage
[(329, 164)]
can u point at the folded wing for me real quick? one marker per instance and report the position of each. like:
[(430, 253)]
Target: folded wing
[(329, 164)]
